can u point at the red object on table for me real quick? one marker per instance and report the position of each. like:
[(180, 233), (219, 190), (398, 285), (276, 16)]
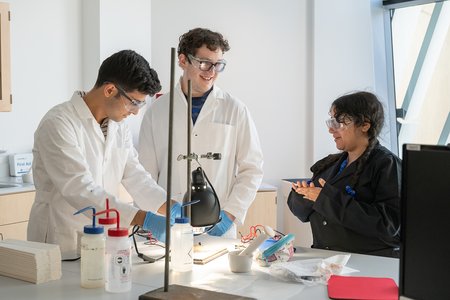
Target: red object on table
[(362, 288)]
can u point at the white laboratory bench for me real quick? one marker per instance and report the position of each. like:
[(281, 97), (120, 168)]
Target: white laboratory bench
[(215, 276), (14, 185)]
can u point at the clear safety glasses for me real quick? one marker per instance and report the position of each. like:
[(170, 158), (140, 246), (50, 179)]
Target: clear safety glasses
[(133, 104), (334, 124), (206, 65)]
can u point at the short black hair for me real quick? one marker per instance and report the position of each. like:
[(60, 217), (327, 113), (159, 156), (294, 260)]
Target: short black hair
[(197, 37), (131, 71)]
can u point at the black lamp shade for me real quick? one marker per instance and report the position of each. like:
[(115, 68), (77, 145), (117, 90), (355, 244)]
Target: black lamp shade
[(207, 211)]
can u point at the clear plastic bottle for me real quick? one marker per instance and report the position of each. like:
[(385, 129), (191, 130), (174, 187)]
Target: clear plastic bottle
[(92, 254), (118, 258), (182, 242), (93, 258)]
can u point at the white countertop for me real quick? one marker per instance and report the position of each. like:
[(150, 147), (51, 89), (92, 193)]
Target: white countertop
[(214, 276), (21, 188)]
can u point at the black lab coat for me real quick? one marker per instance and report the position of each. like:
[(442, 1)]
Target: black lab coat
[(369, 221)]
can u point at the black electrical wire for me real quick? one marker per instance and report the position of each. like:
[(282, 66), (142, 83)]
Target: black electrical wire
[(142, 256)]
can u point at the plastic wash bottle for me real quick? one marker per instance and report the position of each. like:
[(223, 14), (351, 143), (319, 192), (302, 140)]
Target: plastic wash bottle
[(118, 258), (92, 254), (182, 242)]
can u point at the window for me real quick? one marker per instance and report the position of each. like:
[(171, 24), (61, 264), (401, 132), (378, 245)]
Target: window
[(420, 47)]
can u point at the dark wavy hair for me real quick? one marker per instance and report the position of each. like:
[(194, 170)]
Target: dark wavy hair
[(197, 37), (131, 71), (360, 108)]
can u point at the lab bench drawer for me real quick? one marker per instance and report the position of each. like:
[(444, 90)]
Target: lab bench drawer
[(15, 208), (17, 231)]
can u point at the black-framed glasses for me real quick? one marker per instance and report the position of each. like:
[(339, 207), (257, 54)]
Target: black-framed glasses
[(136, 104), (206, 65)]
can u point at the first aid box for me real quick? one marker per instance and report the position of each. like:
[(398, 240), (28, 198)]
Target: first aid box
[(20, 163)]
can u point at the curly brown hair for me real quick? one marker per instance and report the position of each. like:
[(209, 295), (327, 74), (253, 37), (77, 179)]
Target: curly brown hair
[(197, 37)]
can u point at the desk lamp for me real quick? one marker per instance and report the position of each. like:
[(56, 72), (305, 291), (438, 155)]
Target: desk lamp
[(175, 291)]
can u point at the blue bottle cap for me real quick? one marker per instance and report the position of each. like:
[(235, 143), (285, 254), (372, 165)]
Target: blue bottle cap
[(182, 220), (89, 229)]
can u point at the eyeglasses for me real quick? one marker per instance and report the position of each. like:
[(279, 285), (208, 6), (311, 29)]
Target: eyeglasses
[(334, 124), (135, 104), (206, 65)]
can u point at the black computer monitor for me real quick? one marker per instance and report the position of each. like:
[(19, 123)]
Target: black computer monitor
[(425, 223)]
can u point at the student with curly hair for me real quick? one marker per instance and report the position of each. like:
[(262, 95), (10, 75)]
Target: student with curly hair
[(220, 124)]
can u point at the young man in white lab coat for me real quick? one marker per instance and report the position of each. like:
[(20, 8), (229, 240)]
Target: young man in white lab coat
[(221, 124), (83, 151)]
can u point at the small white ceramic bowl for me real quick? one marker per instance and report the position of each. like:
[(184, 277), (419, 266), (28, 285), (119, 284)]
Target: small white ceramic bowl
[(240, 263)]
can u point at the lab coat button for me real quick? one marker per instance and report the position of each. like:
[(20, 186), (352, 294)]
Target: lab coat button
[(324, 223)]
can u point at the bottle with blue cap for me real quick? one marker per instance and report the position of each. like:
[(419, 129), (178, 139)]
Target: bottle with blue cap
[(182, 243), (92, 254)]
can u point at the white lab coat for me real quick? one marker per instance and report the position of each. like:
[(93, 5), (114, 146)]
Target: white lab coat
[(75, 167), (224, 126)]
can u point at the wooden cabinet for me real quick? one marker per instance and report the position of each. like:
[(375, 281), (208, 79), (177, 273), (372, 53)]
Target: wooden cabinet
[(5, 64), (263, 211), (14, 214)]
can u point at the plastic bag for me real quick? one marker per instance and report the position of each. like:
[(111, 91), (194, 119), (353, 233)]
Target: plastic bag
[(312, 271), (276, 251)]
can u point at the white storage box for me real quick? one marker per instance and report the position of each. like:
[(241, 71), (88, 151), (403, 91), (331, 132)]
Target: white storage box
[(20, 163)]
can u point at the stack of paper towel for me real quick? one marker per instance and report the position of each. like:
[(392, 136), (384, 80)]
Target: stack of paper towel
[(30, 261)]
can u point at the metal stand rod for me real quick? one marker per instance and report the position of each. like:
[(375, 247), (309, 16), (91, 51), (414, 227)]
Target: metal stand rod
[(187, 208), (169, 170)]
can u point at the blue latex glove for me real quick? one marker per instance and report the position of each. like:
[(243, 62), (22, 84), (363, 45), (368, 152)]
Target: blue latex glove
[(157, 224), (221, 227)]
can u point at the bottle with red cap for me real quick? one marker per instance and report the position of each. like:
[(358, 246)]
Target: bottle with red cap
[(118, 257)]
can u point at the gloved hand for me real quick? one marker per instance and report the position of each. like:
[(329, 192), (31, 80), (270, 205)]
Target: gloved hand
[(157, 224), (221, 227)]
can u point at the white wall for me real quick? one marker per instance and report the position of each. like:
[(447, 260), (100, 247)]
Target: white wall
[(45, 65), (343, 60), (108, 27)]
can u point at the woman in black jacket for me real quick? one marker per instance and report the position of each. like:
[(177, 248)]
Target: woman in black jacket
[(353, 198)]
